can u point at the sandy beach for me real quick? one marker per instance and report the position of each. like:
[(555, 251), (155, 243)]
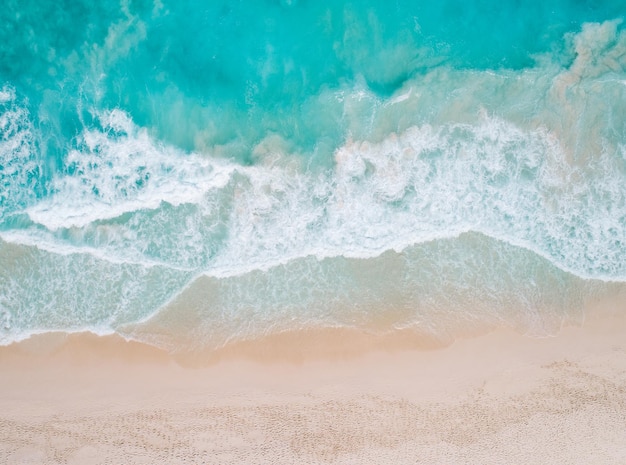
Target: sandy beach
[(497, 398), (292, 232)]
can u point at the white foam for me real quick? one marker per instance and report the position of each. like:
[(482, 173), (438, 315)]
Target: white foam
[(7, 94), (401, 97), (494, 178), (525, 176), (19, 164), (122, 169), (424, 184)]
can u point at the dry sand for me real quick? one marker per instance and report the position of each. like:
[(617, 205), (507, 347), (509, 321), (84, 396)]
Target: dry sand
[(500, 398)]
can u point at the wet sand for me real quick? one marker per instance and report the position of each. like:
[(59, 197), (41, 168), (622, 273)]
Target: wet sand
[(499, 398)]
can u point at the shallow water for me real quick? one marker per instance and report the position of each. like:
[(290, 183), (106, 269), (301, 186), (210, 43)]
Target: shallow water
[(192, 174)]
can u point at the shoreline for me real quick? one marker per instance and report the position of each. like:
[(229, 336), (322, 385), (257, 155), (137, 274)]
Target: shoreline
[(495, 398)]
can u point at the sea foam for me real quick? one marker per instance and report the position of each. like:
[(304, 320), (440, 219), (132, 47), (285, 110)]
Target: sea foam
[(441, 198)]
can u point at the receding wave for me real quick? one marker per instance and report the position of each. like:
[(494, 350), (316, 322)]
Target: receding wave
[(439, 290)]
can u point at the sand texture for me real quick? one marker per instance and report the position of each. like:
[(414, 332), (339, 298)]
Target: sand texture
[(499, 398)]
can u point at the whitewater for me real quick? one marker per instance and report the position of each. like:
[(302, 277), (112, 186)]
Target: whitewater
[(189, 175)]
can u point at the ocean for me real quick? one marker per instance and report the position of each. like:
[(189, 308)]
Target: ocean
[(190, 173)]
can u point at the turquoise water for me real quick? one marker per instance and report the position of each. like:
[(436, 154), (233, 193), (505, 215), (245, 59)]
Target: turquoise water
[(205, 172)]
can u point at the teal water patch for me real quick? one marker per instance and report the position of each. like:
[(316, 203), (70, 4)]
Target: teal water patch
[(224, 75)]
